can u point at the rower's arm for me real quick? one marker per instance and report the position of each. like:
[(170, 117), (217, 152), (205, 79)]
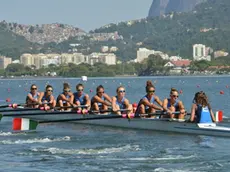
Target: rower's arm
[(87, 100), (165, 103), (146, 103), (181, 107), (159, 102), (108, 98), (127, 105), (51, 99), (99, 100), (40, 97), (31, 98), (193, 111), (212, 115), (114, 99)]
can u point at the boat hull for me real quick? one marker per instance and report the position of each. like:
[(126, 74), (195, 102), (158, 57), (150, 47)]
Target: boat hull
[(163, 125)]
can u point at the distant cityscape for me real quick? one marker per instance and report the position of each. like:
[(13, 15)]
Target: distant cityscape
[(107, 56)]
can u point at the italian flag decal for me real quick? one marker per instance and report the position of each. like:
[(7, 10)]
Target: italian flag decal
[(24, 124)]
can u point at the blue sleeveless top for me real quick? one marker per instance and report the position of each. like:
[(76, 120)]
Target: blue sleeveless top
[(66, 96), (176, 104), (34, 96), (100, 104), (203, 114), (121, 103), (151, 101), (81, 99), (44, 98)]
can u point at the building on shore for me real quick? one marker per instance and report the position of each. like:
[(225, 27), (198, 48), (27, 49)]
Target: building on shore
[(4, 62)]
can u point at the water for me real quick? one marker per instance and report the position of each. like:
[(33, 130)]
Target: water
[(75, 147)]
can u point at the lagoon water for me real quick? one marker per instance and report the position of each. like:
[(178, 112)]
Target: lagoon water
[(74, 147)]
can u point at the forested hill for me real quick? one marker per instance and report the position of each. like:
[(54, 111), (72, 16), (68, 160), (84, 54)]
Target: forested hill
[(12, 45), (208, 23)]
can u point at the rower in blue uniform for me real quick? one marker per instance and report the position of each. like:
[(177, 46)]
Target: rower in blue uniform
[(81, 99), (65, 99), (32, 97), (148, 104), (119, 102), (101, 100), (46, 99), (173, 104), (201, 110)]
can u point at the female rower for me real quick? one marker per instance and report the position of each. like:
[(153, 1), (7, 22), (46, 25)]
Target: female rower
[(101, 100), (81, 99), (46, 99), (173, 104), (201, 111), (119, 102), (148, 103), (32, 97), (65, 99)]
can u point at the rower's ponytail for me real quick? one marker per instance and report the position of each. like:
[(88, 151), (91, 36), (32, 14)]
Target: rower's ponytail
[(173, 90), (149, 85)]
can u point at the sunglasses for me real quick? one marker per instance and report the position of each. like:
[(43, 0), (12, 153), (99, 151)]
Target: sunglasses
[(176, 96), (101, 92), (121, 91), (80, 90), (67, 90), (151, 91), (50, 90), (33, 88)]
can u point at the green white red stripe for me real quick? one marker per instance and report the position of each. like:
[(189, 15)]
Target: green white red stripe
[(24, 124)]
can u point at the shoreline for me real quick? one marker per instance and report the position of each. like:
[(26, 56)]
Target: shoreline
[(119, 76)]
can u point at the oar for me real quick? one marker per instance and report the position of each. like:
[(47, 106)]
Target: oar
[(11, 105), (37, 109), (109, 110)]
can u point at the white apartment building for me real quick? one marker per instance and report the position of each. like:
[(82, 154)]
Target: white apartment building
[(4, 62), (200, 52), (143, 53), (27, 59), (79, 58), (107, 58), (46, 62)]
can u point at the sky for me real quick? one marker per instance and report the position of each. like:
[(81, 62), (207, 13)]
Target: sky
[(85, 14)]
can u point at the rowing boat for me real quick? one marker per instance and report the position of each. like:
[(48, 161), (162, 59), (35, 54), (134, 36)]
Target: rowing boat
[(154, 124)]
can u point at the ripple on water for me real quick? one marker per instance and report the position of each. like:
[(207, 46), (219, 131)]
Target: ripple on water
[(55, 150), (35, 140)]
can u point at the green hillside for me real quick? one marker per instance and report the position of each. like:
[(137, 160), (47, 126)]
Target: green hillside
[(12, 45), (177, 32)]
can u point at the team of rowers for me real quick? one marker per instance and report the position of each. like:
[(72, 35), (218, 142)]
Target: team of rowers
[(80, 101)]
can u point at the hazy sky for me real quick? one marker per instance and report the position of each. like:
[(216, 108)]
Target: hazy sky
[(85, 14)]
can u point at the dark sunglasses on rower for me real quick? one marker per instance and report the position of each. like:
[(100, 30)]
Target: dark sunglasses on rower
[(101, 92), (67, 90), (152, 91), (122, 91), (33, 88), (80, 90), (175, 96), (50, 90)]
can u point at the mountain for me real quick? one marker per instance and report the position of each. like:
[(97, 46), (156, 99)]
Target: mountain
[(13, 45), (160, 7), (176, 33)]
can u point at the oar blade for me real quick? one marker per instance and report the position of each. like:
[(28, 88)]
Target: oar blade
[(24, 124)]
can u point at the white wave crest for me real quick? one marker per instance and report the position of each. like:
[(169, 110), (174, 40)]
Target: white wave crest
[(6, 134), (36, 140), (54, 150), (173, 157)]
